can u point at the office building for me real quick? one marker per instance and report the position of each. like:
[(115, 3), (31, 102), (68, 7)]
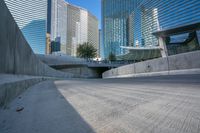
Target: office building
[(31, 17), (42, 21), (93, 32), (115, 14), (59, 23), (131, 23), (101, 47), (73, 25), (82, 27)]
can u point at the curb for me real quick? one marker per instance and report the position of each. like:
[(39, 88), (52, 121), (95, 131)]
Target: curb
[(9, 91)]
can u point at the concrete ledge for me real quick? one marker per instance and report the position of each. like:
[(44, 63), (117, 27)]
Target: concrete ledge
[(174, 72), (184, 72), (10, 90), (186, 63)]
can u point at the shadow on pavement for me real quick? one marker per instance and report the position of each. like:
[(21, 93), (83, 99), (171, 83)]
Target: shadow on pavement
[(45, 110)]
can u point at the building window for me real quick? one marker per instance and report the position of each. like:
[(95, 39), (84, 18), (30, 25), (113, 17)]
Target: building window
[(182, 43)]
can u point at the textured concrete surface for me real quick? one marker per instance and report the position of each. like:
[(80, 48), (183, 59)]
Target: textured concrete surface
[(16, 56), (82, 72), (8, 78), (168, 104), (185, 63)]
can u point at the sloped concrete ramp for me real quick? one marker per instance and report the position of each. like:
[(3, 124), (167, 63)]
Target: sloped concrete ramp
[(168, 104)]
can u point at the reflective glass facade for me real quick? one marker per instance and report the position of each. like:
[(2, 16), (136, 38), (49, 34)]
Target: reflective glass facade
[(73, 25), (81, 27), (115, 14), (93, 32), (59, 23), (73, 29), (132, 22), (101, 50), (182, 43), (31, 17)]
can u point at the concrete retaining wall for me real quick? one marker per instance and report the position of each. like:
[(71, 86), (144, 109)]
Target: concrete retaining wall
[(187, 63), (82, 72), (16, 56)]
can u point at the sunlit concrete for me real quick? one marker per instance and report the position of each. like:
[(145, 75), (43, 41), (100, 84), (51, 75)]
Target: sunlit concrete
[(185, 63), (166, 104)]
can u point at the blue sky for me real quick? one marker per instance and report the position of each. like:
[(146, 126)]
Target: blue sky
[(94, 6)]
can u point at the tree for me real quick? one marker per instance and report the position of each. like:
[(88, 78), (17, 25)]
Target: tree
[(86, 50), (112, 57)]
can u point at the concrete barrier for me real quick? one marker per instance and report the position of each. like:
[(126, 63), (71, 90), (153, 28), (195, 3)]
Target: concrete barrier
[(155, 65), (82, 72), (186, 63), (10, 89), (16, 56)]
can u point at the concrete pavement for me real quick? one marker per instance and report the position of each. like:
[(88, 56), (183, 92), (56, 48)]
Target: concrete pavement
[(165, 104)]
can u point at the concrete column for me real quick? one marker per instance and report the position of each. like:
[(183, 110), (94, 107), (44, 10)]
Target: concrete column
[(163, 46)]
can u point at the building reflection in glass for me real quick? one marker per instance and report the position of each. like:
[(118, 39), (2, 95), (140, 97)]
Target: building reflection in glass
[(132, 22)]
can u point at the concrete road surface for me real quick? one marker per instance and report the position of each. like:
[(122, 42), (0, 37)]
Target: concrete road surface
[(169, 104)]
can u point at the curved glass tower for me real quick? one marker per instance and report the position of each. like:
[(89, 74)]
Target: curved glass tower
[(132, 22), (115, 14), (31, 17)]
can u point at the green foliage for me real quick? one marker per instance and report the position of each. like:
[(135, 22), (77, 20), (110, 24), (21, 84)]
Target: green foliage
[(86, 50), (112, 57)]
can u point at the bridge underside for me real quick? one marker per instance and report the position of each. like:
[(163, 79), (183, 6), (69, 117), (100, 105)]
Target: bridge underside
[(82, 71)]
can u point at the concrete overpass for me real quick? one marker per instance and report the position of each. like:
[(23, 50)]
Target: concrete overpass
[(80, 68), (57, 60)]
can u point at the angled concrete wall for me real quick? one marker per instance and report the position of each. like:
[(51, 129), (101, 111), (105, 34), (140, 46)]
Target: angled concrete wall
[(82, 72), (155, 65), (16, 56), (186, 63)]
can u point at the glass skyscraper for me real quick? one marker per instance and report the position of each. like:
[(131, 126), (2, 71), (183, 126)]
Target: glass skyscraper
[(132, 22), (59, 23), (43, 21), (82, 27), (115, 14), (31, 17)]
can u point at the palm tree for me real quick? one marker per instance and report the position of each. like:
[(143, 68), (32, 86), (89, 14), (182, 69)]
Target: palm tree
[(86, 50)]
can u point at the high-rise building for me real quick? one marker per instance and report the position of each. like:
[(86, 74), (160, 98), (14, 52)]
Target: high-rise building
[(31, 17), (93, 32), (101, 49), (59, 22), (128, 23), (42, 21), (82, 28), (115, 14)]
